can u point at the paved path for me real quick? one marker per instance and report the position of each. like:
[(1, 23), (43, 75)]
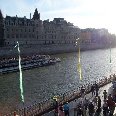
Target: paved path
[(89, 96)]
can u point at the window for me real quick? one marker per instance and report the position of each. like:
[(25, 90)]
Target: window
[(17, 36), (20, 36), (25, 36), (33, 30), (12, 36), (7, 35)]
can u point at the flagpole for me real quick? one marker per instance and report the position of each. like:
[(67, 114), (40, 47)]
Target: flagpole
[(21, 80), (110, 59), (79, 61)]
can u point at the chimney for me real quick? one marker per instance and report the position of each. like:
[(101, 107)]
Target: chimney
[(30, 15)]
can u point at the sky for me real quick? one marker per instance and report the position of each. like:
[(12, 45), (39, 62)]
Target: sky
[(82, 13)]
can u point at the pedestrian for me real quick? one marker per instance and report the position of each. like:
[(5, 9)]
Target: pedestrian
[(105, 108), (96, 88), (55, 107), (82, 91), (84, 106), (79, 111), (105, 94), (95, 101), (92, 90), (98, 106), (111, 105), (85, 103), (91, 109), (66, 109), (61, 112)]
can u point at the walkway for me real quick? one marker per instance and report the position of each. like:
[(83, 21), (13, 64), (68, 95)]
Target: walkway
[(89, 96)]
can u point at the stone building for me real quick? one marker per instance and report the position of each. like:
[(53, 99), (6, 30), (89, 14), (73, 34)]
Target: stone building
[(60, 32), (34, 31), (26, 31), (1, 30)]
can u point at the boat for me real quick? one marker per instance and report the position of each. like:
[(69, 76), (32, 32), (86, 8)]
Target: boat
[(12, 65)]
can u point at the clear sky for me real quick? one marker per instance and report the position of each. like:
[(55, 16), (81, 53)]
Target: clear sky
[(83, 13)]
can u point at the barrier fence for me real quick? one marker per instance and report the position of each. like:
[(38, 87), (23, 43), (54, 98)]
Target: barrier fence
[(38, 109)]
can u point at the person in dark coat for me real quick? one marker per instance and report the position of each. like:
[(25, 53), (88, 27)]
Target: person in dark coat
[(96, 88), (66, 109), (79, 111), (91, 109), (98, 111), (105, 108), (93, 89), (105, 94)]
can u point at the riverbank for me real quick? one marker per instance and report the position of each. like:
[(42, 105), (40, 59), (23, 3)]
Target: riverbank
[(89, 96), (46, 106), (28, 50)]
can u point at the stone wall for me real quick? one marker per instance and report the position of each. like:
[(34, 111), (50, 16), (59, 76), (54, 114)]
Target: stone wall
[(45, 49)]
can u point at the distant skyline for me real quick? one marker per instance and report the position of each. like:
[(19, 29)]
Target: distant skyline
[(82, 13)]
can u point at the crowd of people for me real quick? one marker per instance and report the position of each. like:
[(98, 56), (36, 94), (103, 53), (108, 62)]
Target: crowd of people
[(92, 106)]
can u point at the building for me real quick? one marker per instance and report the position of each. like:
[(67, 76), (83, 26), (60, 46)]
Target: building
[(1, 30), (57, 36), (35, 35), (60, 32), (26, 31)]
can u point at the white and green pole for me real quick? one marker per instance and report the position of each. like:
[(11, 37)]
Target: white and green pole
[(21, 79)]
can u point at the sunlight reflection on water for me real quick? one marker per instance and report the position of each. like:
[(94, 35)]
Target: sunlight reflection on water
[(45, 82)]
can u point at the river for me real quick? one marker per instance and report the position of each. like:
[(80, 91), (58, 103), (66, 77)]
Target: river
[(45, 82)]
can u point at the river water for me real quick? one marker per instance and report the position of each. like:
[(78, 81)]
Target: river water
[(45, 82)]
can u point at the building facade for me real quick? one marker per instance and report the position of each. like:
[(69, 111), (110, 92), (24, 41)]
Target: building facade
[(26, 31), (34, 31), (1, 30), (57, 36), (60, 32)]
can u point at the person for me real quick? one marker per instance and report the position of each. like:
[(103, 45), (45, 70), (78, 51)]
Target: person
[(96, 88), (98, 106), (66, 109), (91, 108), (55, 104), (85, 105), (92, 90), (105, 108), (82, 91), (95, 101), (61, 112), (75, 106), (79, 111), (111, 105), (105, 94)]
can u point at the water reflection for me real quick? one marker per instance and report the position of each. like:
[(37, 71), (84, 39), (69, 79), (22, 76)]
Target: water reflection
[(45, 82)]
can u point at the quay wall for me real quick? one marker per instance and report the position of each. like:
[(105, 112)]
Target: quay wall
[(44, 49), (38, 109)]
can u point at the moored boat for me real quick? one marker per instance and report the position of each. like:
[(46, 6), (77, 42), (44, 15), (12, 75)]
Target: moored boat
[(11, 65)]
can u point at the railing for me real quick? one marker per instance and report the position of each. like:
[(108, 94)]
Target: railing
[(46, 106)]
